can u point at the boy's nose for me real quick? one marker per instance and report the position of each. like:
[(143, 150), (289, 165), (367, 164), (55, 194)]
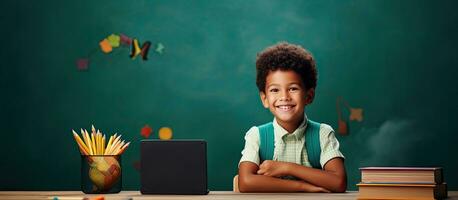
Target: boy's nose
[(285, 96)]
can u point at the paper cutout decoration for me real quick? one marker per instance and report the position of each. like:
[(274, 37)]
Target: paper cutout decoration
[(136, 50), (82, 64), (105, 46), (341, 124), (114, 40), (145, 50), (356, 114), (146, 131), (165, 133), (160, 48), (125, 40)]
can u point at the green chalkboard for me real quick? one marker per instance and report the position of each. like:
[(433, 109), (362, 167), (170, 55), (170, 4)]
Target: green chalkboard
[(395, 59)]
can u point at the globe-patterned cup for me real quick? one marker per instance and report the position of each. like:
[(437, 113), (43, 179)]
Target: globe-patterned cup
[(101, 174)]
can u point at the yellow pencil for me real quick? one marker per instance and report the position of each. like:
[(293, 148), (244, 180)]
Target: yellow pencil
[(80, 142), (113, 148), (98, 140), (75, 135), (108, 145), (113, 145), (123, 149), (81, 148), (94, 149), (90, 142), (118, 147), (96, 152), (108, 152), (93, 130), (103, 145), (87, 140), (95, 143)]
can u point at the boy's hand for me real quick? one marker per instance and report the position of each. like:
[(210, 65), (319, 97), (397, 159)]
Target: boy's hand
[(273, 168)]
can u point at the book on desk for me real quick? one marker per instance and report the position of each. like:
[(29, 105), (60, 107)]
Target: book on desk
[(402, 183)]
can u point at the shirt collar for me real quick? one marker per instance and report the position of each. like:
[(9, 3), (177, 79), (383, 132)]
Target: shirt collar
[(280, 132)]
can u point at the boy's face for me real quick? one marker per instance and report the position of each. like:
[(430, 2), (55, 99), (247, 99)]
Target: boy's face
[(286, 97)]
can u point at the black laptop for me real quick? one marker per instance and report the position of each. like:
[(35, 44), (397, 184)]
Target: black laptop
[(173, 167)]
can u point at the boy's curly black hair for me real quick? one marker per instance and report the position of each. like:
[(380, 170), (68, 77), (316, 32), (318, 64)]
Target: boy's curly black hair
[(285, 56)]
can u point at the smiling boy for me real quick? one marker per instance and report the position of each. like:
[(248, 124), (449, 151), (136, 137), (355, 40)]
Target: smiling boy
[(286, 77)]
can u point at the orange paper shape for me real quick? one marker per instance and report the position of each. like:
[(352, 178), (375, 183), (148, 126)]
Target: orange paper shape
[(165, 133), (342, 127), (356, 114), (342, 124), (106, 46), (146, 131)]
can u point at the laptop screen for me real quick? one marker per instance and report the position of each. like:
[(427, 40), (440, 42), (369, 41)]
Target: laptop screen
[(173, 167)]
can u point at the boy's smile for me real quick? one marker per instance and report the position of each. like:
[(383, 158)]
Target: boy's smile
[(286, 97)]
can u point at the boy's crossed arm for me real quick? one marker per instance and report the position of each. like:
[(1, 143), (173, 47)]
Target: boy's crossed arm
[(250, 181), (264, 178)]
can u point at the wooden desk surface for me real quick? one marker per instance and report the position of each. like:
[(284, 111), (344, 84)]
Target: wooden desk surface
[(217, 195)]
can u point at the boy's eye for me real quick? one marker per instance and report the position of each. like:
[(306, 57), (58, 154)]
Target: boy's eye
[(293, 89), (273, 90)]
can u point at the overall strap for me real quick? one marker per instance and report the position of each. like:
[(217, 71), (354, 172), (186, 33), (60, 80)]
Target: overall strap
[(266, 141), (312, 143)]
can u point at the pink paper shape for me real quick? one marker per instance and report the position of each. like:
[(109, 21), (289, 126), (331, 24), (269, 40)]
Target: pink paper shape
[(82, 64), (125, 40)]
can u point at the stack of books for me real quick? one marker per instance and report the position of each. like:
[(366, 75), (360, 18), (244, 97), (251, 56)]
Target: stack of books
[(402, 183)]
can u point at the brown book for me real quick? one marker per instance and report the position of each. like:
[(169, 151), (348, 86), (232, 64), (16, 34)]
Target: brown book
[(402, 191), (420, 175)]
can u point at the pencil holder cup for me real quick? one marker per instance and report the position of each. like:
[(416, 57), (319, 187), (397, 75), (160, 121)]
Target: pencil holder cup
[(101, 174)]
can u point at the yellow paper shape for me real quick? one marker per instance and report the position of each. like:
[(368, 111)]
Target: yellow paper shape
[(135, 49), (114, 40), (105, 46), (165, 133), (356, 114)]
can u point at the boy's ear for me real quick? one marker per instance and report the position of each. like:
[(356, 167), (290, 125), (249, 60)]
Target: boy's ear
[(264, 99), (309, 96)]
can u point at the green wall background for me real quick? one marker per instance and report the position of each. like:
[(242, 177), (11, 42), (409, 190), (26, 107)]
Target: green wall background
[(395, 59)]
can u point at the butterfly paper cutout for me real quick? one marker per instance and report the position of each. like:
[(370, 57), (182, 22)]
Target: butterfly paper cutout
[(136, 50)]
